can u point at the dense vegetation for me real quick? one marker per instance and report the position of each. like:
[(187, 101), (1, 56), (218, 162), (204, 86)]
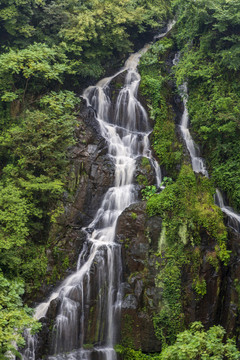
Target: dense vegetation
[(48, 51), (207, 33), (192, 344), (155, 88), (206, 37), (186, 205)]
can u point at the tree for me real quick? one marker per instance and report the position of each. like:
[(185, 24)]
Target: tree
[(14, 213), (37, 62), (14, 318), (16, 16), (197, 344)]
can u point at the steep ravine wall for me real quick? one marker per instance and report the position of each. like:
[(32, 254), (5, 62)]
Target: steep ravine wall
[(217, 303), (140, 236)]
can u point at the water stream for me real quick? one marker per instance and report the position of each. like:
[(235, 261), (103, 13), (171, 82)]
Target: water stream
[(94, 292), (198, 163), (233, 217)]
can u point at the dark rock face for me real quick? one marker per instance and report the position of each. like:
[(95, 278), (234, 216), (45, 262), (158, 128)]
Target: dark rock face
[(93, 171), (229, 309), (139, 237), (220, 305), (196, 307)]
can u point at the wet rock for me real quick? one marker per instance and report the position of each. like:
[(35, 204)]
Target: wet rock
[(145, 173), (130, 302), (92, 170), (138, 288), (53, 309), (229, 297), (141, 296)]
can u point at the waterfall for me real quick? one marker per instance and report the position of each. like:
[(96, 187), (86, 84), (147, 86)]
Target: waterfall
[(233, 217), (198, 163), (96, 285), (170, 25)]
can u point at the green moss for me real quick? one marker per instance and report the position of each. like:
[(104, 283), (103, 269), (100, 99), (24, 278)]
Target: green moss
[(188, 212), (128, 353), (165, 143), (188, 209), (118, 85), (88, 346), (146, 164), (211, 69), (200, 287), (213, 260), (127, 331), (155, 88), (142, 180), (169, 320), (133, 216)]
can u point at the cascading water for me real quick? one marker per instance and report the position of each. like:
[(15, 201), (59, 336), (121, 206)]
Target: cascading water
[(169, 27), (96, 285), (198, 163), (233, 217)]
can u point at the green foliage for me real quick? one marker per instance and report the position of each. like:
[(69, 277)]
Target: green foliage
[(169, 320), (192, 344), (148, 192), (188, 211), (212, 259), (142, 180), (155, 87), (39, 144), (33, 153), (127, 331), (194, 209), (98, 31), (207, 33), (200, 286), (13, 316), (16, 16), (14, 214), (129, 354), (166, 181), (34, 66), (145, 163), (186, 206), (196, 343), (214, 24), (133, 216)]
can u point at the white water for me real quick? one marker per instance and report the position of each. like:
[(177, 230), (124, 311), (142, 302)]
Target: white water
[(169, 28), (97, 281), (198, 163), (233, 217)]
